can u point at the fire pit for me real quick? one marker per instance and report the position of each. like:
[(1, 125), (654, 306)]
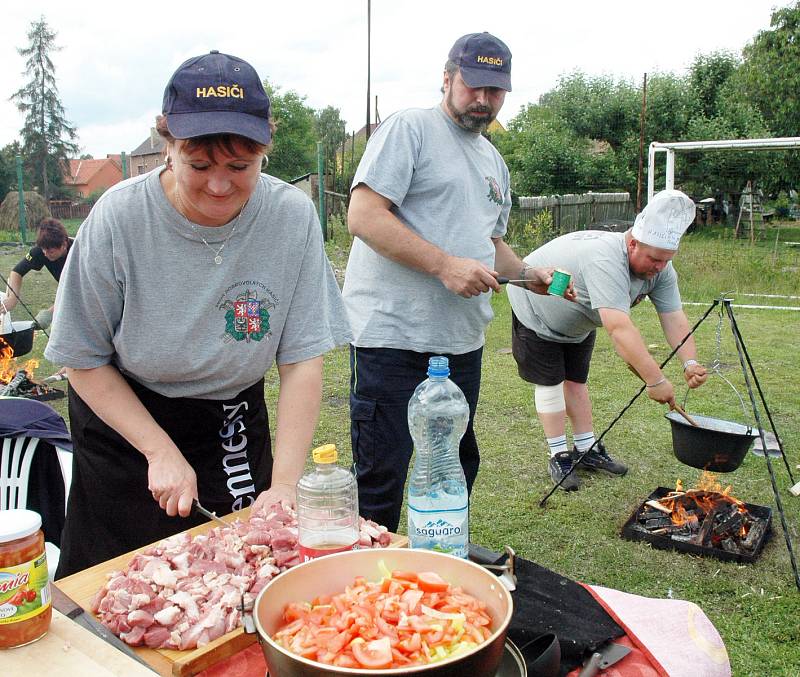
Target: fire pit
[(16, 381), (701, 522)]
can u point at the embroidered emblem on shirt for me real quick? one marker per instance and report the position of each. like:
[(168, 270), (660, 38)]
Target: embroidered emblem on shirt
[(246, 318), (495, 194)]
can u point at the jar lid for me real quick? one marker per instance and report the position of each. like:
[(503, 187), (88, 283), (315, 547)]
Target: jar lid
[(18, 524)]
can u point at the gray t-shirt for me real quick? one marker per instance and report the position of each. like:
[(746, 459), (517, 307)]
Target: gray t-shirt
[(452, 188), (141, 291), (598, 262)]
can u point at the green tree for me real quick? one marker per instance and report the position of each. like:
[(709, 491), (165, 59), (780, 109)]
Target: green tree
[(47, 138), (707, 76), (330, 130), (770, 72), (8, 168), (596, 108), (671, 103), (294, 143)]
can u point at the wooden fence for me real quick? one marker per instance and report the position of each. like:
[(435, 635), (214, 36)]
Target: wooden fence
[(62, 209), (577, 212)]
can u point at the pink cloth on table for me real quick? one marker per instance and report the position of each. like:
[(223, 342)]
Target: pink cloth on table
[(675, 634)]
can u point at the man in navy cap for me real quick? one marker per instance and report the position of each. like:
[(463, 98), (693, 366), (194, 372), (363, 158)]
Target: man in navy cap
[(429, 207)]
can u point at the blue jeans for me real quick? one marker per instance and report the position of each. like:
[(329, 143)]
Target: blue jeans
[(382, 381)]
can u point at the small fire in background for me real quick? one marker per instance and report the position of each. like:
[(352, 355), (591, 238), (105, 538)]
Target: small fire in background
[(707, 516), (17, 381), (9, 365)]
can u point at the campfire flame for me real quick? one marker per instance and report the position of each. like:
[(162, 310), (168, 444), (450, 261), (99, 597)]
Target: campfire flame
[(9, 366), (708, 495)]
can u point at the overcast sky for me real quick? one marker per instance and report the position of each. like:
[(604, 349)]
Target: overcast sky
[(117, 57)]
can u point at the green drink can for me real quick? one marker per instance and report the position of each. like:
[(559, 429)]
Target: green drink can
[(560, 282)]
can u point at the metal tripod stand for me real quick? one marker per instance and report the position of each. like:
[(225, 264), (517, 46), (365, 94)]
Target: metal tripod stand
[(749, 373)]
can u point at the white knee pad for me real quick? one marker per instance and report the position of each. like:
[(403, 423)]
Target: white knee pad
[(549, 399)]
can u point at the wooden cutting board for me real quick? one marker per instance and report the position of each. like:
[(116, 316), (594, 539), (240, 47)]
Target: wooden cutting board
[(83, 586), (69, 650)]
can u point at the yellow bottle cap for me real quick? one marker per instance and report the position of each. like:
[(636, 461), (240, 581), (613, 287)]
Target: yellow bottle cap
[(325, 454)]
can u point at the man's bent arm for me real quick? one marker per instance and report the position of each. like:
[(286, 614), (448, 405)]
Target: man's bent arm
[(13, 292), (630, 347), (370, 218)]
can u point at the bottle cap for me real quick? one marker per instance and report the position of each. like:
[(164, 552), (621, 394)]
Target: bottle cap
[(438, 365), (325, 454)]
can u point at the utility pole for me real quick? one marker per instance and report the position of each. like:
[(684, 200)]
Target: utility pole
[(641, 146), (21, 212), (369, 22)]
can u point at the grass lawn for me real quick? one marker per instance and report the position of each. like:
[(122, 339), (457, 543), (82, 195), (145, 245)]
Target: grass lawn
[(755, 607)]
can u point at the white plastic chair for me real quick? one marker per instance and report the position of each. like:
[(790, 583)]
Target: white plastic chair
[(15, 466)]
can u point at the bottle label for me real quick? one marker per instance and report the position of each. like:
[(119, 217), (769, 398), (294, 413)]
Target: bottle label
[(24, 591), (441, 530), (321, 549)]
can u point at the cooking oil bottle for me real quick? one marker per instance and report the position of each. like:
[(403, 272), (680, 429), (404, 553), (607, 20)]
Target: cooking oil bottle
[(327, 507)]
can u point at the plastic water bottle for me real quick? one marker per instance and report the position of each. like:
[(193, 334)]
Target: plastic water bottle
[(438, 511), (327, 507)]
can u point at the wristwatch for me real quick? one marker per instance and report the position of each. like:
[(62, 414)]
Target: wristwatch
[(689, 363)]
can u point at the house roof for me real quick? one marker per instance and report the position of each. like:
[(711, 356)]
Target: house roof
[(152, 144), (82, 171)]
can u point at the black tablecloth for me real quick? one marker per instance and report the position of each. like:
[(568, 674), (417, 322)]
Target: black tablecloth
[(544, 602)]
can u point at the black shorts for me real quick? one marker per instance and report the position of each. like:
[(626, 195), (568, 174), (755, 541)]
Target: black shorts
[(548, 363)]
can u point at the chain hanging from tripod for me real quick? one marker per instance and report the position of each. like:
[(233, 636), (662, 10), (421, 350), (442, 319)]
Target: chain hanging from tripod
[(717, 364)]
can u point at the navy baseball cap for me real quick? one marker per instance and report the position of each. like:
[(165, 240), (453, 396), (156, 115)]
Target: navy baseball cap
[(484, 60), (217, 94)]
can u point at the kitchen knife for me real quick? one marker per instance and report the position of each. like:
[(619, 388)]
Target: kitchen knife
[(67, 606), (604, 657), (207, 513)]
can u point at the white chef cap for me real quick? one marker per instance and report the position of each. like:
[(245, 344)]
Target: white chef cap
[(665, 218)]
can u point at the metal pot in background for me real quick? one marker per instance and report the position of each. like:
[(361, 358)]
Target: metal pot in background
[(332, 573), (713, 444), (20, 338)]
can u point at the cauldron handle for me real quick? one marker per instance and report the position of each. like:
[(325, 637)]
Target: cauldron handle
[(715, 370)]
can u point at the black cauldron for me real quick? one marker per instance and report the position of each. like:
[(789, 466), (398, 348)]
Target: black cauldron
[(20, 338), (713, 444)]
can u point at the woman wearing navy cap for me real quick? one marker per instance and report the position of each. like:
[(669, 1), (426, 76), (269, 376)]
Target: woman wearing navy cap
[(183, 287)]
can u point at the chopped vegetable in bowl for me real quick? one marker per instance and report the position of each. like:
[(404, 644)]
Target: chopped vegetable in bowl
[(405, 619)]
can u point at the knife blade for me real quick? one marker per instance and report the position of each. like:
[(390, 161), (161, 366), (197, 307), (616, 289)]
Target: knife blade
[(72, 610), (207, 513)]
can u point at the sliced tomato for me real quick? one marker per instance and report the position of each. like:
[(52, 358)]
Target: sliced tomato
[(405, 576), (430, 581), (375, 654)]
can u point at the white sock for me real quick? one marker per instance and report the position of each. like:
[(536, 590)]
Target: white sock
[(557, 444), (583, 440)]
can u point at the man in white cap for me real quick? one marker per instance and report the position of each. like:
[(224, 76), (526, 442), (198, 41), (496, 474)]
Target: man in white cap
[(553, 339)]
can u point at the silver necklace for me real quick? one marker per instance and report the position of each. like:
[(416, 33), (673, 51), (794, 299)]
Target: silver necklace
[(217, 252)]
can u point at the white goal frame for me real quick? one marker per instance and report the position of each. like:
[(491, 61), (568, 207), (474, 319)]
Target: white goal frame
[(669, 149)]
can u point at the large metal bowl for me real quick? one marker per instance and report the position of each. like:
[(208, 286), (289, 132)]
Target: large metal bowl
[(330, 574)]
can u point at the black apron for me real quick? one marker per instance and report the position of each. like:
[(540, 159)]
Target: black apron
[(110, 509)]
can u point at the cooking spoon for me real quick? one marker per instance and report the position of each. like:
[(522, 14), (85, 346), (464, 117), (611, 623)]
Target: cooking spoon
[(677, 407)]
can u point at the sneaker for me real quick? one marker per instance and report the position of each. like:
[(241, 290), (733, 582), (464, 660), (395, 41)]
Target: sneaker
[(598, 459), (559, 465)]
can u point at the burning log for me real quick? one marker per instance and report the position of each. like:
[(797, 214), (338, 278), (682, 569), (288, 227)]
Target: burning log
[(753, 537), (11, 388), (730, 524), (659, 506)]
